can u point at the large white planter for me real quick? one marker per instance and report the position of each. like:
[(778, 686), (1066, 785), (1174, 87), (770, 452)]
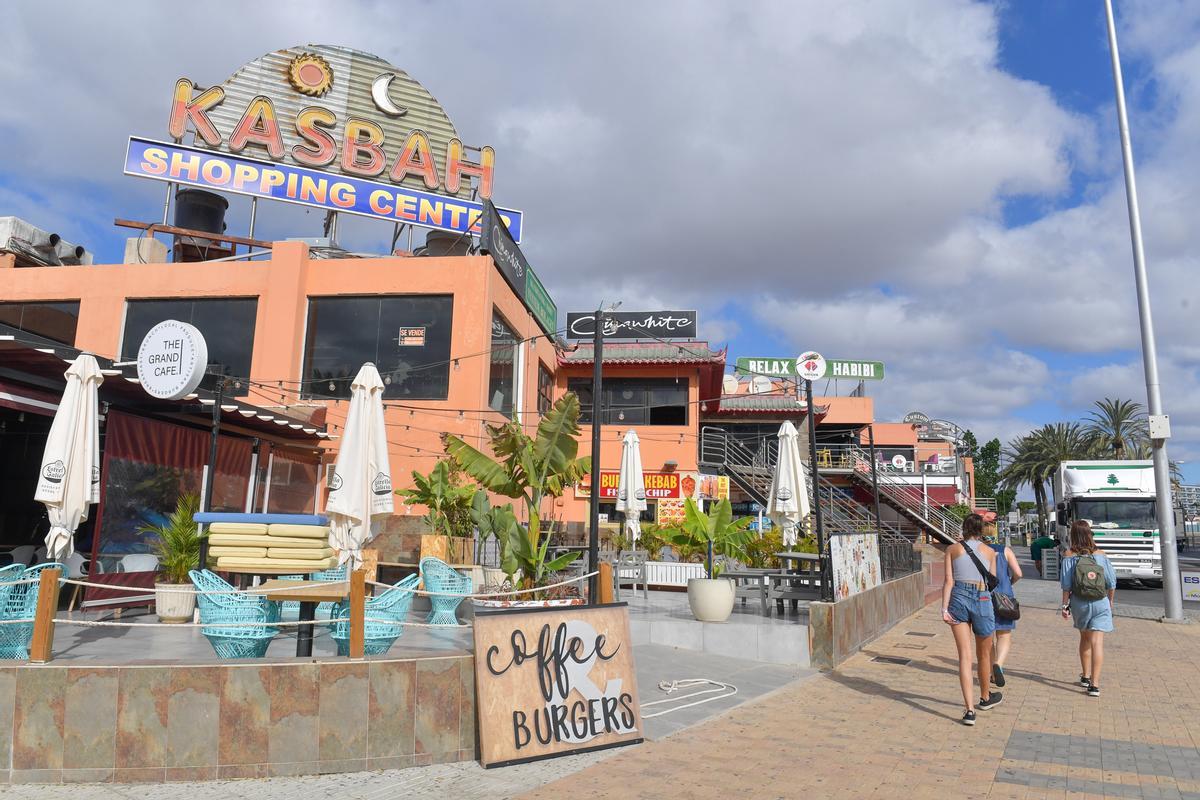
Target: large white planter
[(174, 602), (711, 599)]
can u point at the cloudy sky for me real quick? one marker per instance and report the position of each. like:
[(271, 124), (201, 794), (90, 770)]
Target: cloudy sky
[(931, 183)]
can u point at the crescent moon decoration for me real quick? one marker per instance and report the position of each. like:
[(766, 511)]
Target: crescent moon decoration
[(379, 93)]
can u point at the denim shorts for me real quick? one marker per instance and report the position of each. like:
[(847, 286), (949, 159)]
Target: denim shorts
[(969, 603)]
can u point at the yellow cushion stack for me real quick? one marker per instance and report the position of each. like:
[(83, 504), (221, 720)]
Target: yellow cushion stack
[(253, 547)]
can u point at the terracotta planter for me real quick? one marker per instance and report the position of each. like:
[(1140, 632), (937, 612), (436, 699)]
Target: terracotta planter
[(711, 599), (451, 549), (174, 602)]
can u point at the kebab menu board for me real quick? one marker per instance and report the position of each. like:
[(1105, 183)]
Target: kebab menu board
[(554, 681)]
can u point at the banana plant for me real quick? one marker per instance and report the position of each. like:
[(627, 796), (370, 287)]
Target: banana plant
[(529, 469), (717, 532), (447, 502)]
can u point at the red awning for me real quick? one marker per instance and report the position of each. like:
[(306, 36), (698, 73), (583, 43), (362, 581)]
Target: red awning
[(23, 398)]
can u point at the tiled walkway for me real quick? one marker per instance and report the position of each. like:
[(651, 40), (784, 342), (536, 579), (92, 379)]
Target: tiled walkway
[(888, 730)]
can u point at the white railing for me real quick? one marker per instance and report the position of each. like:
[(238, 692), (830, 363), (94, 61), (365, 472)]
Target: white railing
[(672, 573), (909, 496)]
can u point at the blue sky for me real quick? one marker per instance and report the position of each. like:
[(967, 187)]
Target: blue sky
[(934, 183)]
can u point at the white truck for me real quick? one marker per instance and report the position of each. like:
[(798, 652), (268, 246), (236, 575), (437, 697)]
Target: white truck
[(1117, 499)]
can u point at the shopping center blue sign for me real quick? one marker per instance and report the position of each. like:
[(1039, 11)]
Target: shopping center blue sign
[(224, 172)]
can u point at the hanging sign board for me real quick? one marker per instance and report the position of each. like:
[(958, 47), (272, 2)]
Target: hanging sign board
[(554, 681), (634, 325), (810, 366), (171, 360), (835, 368), (496, 241)]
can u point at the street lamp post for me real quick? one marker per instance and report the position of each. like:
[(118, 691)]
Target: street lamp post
[(1172, 590)]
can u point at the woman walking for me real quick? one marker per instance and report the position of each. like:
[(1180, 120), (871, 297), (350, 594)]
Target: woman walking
[(1088, 583), (1008, 572), (967, 609)]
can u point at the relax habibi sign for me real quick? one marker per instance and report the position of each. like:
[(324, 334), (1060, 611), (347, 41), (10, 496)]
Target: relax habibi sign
[(554, 681)]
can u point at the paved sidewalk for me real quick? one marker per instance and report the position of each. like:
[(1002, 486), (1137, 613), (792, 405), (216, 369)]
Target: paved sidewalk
[(885, 730)]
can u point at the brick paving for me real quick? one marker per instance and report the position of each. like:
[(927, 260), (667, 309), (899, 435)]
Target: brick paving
[(884, 730)]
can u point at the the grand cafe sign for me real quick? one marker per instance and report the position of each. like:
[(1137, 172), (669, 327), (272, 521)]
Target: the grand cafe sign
[(328, 127)]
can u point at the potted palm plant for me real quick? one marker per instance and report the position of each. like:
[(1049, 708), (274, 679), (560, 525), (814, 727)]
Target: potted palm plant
[(177, 546), (716, 533), (448, 505), (529, 469)]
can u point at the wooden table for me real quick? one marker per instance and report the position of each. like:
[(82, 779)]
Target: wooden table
[(801, 559), (753, 583), (803, 582), (309, 594)]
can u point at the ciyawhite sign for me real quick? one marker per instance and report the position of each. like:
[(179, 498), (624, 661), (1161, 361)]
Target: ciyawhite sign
[(171, 360), (810, 366)]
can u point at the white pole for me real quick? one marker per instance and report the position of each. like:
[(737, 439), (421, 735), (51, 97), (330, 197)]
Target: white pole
[(1172, 590)]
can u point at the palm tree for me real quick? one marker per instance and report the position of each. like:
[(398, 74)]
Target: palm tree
[(1119, 427), (1034, 458)]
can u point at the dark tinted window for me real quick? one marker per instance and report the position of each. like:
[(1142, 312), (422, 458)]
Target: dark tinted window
[(54, 321), (545, 389), (407, 337), (227, 326), (636, 401), (504, 356)]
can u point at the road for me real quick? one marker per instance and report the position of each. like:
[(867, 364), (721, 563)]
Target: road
[(1132, 593)]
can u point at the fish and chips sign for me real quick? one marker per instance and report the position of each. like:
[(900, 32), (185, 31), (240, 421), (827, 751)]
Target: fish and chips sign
[(554, 681), (327, 127)]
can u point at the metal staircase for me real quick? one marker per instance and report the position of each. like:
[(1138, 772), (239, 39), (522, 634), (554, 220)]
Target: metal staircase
[(906, 499), (752, 467)]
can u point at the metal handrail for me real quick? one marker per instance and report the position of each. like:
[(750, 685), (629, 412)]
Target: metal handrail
[(906, 494)]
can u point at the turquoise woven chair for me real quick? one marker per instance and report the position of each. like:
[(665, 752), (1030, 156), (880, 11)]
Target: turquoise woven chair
[(19, 602), (378, 637), (440, 577), (291, 608), (240, 641)]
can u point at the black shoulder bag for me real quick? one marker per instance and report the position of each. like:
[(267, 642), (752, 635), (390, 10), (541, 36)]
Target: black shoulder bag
[(1004, 605)]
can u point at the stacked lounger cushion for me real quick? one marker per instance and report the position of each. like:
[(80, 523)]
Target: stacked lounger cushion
[(269, 543)]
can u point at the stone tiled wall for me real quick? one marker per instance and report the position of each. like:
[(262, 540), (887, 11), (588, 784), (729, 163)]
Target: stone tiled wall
[(838, 630), (176, 723)]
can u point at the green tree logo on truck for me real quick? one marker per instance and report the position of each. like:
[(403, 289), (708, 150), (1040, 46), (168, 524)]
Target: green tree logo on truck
[(1112, 479)]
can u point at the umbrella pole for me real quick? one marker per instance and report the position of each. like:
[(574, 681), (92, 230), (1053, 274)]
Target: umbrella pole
[(594, 500), (206, 506), (826, 579)]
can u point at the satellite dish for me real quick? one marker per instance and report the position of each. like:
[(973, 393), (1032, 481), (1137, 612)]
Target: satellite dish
[(729, 385), (761, 384)]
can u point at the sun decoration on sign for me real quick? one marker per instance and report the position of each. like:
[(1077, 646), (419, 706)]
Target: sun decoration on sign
[(310, 75)]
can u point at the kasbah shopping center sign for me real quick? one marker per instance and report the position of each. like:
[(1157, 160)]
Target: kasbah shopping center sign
[(327, 127)]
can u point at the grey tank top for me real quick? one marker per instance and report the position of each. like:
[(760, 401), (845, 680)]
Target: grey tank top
[(964, 567)]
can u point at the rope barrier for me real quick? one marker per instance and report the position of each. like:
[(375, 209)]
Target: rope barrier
[(16, 621), (669, 687), (477, 595), (284, 589), (193, 590), (95, 623)]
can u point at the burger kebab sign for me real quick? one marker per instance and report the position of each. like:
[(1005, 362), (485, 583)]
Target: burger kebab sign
[(328, 127)]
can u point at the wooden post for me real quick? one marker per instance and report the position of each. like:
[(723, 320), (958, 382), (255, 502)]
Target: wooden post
[(43, 618), (606, 582), (358, 603)]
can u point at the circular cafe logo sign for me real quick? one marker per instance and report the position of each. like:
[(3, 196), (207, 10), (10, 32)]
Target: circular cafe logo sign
[(171, 360), (54, 472), (810, 366), (898, 461)]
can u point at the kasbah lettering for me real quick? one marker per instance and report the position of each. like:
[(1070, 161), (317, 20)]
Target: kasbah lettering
[(361, 143)]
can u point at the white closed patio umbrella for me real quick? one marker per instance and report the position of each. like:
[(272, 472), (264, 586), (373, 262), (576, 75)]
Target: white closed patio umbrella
[(362, 477), (69, 477), (788, 504), (631, 485)]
